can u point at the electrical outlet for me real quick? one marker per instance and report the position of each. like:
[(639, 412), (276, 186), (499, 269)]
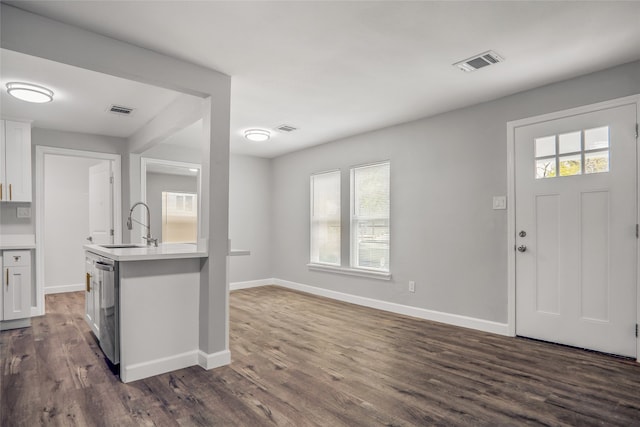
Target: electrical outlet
[(499, 202), (412, 286), (24, 213)]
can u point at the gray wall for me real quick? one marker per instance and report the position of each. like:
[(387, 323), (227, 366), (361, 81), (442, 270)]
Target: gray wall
[(249, 226), (11, 224), (156, 184), (444, 172)]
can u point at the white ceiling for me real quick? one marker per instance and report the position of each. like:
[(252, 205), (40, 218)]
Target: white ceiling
[(82, 97), (335, 69)]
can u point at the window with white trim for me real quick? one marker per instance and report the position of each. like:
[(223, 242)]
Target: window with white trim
[(325, 218), (367, 219), (370, 203)]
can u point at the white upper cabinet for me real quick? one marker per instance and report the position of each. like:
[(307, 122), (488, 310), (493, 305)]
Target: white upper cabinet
[(15, 161)]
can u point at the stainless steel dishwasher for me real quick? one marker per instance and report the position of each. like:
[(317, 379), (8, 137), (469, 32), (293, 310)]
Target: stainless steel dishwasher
[(109, 279)]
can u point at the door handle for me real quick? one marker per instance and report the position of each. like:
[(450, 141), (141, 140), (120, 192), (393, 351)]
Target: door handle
[(522, 248)]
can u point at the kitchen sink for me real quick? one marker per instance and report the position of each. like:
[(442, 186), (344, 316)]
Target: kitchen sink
[(122, 246)]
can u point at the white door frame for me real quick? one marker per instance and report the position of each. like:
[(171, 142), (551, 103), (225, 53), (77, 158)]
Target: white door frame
[(511, 198), (145, 161), (41, 151)]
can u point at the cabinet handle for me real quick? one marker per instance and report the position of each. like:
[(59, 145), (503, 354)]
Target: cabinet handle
[(10, 193), (0, 191), (7, 279), (88, 282)]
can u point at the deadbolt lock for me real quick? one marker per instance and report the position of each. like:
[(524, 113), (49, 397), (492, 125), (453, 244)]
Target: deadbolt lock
[(522, 233)]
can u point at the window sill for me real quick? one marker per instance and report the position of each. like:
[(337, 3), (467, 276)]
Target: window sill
[(350, 271)]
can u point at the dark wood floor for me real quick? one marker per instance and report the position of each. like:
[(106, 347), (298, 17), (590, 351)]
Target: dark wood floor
[(301, 360)]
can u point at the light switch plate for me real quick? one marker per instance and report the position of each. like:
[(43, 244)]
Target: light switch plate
[(499, 202), (24, 212)]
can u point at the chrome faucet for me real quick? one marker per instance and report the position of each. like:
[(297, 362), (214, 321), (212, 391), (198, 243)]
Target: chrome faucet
[(130, 222)]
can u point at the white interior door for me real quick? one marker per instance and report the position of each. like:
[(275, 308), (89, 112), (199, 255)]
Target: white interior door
[(101, 203), (576, 210)]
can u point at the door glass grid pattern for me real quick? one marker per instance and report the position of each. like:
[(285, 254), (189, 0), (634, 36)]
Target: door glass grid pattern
[(573, 153)]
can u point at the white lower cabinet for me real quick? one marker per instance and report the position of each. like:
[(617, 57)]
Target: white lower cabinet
[(16, 285), (92, 297)]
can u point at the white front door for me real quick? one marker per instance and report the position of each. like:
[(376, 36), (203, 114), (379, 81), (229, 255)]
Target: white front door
[(101, 203), (576, 210)]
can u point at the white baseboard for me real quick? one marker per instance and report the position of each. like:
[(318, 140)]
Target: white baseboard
[(5, 325), (63, 288), (214, 360), (421, 313), (158, 366), (250, 284)]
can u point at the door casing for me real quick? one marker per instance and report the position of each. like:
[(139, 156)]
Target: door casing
[(511, 198), (41, 151)]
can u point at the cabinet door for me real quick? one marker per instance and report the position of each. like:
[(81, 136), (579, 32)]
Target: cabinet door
[(91, 294), (3, 178), (88, 301), (17, 162), (95, 296), (2, 292), (17, 293)]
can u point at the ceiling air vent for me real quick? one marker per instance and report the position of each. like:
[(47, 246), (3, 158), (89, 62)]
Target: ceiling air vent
[(120, 110), (479, 61), (286, 128)]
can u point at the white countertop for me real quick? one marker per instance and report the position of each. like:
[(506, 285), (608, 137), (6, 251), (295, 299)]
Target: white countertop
[(147, 253), (17, 241), (239, 252), (4, 247), (163, 251)]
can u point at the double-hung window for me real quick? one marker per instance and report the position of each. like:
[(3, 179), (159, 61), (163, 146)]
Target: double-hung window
[(325, 218), (370, 217), (367, 231)]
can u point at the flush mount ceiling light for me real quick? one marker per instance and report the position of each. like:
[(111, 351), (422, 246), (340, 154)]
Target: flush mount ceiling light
[(257, 135), (30, 92)]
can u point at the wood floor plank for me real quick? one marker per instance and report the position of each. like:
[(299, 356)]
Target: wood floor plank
[(301, 360)]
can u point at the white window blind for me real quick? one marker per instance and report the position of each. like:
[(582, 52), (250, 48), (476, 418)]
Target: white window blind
[(370, 217), (325, 218), (179, 217)]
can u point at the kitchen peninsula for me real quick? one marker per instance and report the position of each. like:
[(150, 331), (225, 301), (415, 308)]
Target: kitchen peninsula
[(155, 294)]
